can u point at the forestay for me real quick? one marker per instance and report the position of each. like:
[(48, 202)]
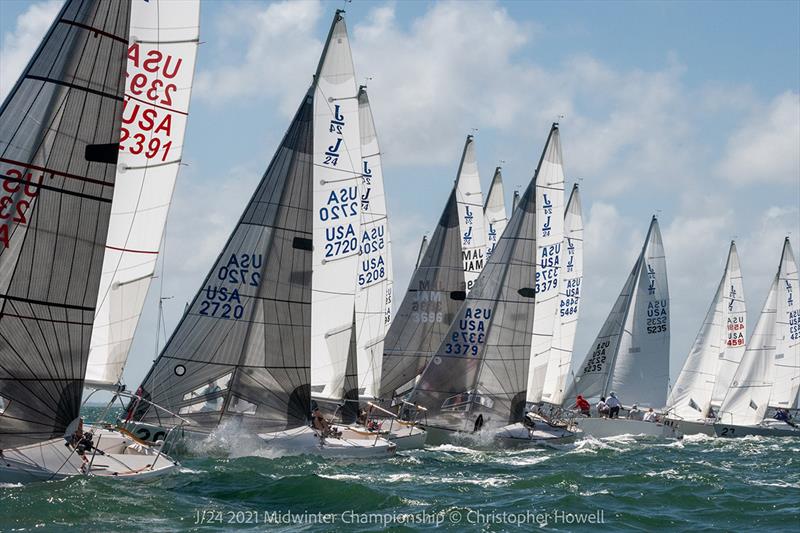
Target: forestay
[(566, 320), (717, 350), (549, 237), (478, 374), (374, 296), (495, 212), (161, 57), (59, 135), (631, 353)]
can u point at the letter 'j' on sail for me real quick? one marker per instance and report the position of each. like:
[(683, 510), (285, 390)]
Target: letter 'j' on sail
[(631, 353), (161, 57), (495, 212), (59, 142), (769, 373), (717, 350)]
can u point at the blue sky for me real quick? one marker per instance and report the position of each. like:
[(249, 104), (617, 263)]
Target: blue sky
[(688, 109)]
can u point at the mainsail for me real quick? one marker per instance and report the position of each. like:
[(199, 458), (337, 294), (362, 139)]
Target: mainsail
[(566, 320), (549, 237), (495, 212), (717, 350), (161, 57), (769, 373), (242, 350), (477, 376), (374, 296), (59, 142), (631, 353), (438, 285)]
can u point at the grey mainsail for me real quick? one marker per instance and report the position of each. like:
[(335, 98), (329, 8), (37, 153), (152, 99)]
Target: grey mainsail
[(478, 375), (59, 140), (242, 347)]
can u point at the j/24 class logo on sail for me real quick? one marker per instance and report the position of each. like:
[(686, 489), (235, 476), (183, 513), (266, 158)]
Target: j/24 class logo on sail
[(337, 123)]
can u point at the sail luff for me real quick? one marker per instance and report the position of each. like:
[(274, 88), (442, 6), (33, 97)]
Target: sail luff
[(161, 58)]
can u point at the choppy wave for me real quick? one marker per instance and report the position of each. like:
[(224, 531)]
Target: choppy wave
[(699, 483)]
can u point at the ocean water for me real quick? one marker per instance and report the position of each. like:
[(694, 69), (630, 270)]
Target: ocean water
[(624, 483)]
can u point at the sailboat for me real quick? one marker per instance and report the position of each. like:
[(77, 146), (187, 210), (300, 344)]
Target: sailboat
[(494, 212), (475, 383), (240, 360), (768, 376), (630, 355), (708, 371), (60, 140), (452, 260)]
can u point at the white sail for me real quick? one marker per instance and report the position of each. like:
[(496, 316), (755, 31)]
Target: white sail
[(337, 213), (374, 296), (787, 335), (631, 353), (769, 372), (469, 199), (549, 237), (717, 350), (161, 58), (566, 320), (495, 212), (641, 368)]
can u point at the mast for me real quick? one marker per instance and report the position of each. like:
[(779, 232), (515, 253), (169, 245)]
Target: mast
[(161, 61), (59, 142), (423, 245)]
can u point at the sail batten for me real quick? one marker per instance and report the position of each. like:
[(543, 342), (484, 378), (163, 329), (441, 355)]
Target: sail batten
[(59, 128)]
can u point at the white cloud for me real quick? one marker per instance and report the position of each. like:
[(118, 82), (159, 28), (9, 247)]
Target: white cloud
[(766, 148), (21, 42)]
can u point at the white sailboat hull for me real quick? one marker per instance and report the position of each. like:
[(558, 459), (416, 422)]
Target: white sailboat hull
[(516, 435), (123, 458), (768, 428), (613, 427), (405, 437), (689, 427), (304, 440)]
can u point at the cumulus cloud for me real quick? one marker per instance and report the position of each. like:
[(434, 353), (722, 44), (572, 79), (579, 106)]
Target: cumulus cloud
[(766, 148), (21, 42)]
